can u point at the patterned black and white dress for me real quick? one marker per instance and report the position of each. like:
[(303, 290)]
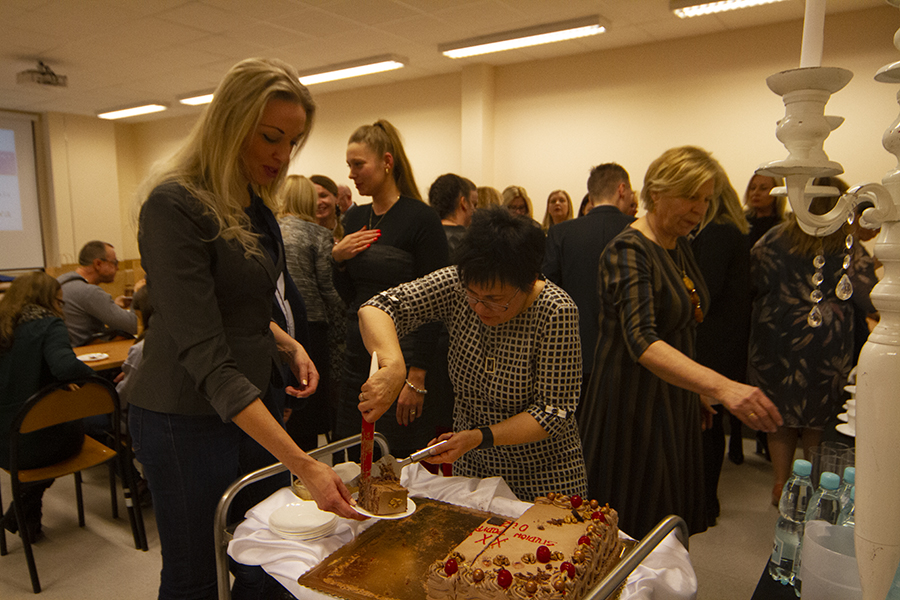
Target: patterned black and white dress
[(531, 363)]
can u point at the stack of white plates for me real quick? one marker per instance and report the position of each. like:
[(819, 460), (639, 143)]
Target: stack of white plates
[(848, 427), (302, 521)]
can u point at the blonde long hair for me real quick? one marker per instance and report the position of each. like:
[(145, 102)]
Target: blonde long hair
[(780, 201), (209, 165), (512, 192), (730, 211), (32, 288), (299, 198), (570, 214), (681, 172), (381, 137)]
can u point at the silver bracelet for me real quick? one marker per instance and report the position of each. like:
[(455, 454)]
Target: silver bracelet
[(415, 389)]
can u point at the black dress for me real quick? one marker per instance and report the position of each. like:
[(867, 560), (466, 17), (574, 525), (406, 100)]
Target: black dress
[(723, 254), (412, 244), (641, 436)]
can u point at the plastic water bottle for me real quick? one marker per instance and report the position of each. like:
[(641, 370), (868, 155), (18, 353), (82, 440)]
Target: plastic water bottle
[(825, 505), (849, 480), (848, 510), (789, 526)]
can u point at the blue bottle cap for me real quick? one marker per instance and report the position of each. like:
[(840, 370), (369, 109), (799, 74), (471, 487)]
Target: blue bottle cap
[(850, 475), (802, 467), (829, 480)]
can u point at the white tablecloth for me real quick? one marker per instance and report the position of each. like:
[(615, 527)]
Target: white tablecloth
[(666, 574)]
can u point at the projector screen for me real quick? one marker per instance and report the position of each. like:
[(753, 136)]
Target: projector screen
[(21, 246)]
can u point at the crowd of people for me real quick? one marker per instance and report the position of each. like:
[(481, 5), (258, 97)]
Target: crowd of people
[(584, 354)]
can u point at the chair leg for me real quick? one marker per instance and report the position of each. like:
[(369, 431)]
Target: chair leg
[(79, 500), (132, 499), (26, 539), (114, 498)]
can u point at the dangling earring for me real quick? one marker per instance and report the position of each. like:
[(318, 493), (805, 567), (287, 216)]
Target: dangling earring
[(844, 288), (814, 318), (387, 171)]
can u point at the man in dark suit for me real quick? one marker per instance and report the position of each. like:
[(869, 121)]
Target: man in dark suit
[(572, 256)]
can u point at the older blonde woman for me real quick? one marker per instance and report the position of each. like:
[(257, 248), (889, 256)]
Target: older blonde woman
[(642, 417)]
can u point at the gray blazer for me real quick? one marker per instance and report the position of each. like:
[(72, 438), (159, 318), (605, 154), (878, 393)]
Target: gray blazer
[(208, 347)]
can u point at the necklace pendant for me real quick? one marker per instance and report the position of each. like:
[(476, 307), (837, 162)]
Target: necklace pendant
[(489, 363)]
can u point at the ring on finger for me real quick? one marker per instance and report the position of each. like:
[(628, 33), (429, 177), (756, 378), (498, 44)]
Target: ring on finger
[(752, 414)]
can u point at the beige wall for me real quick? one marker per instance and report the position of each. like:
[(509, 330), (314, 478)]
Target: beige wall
[(85, 189), (540, 124)]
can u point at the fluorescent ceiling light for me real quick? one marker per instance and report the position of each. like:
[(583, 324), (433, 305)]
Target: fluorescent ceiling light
[(377, 64), (522, 38), (693, 8), (197, 98), (134, 111)]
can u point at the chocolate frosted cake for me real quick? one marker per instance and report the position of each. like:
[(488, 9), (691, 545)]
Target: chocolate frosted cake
[(382, 494), (559, 548)]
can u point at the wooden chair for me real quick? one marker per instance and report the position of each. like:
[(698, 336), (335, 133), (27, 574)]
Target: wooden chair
[(62, 403)]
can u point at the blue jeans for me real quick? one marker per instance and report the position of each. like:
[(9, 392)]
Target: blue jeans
[(189, 461)]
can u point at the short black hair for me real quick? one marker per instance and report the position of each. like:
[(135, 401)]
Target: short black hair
[(92, 251), (501, 247), (445, 192)]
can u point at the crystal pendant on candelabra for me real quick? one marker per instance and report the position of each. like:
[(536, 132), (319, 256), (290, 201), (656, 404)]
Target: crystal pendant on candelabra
[(814, 318), (844, 288)]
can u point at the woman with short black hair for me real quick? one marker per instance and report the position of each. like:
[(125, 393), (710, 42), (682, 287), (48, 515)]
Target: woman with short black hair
[(514, 360)]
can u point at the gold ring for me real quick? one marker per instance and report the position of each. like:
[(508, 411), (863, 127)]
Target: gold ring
[(412, 412), (752, 414)]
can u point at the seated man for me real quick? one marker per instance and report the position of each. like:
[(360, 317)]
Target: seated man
[(89, 310)]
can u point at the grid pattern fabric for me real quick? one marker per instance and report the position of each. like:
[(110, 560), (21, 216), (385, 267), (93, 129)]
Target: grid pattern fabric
[(531, 363)]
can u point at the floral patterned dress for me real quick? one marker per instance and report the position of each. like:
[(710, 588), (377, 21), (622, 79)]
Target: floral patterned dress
[(802, 369)]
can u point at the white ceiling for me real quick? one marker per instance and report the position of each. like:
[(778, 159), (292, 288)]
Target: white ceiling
[(118, 53)]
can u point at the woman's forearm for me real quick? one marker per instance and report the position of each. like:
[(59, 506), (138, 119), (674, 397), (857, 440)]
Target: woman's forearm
[(379, 335), (323, 483), (677, 369), (745, 402)]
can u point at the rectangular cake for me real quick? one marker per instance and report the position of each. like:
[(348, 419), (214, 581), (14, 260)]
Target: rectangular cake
[(560, 547)]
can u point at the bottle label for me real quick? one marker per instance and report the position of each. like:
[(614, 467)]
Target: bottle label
[(777, 548)]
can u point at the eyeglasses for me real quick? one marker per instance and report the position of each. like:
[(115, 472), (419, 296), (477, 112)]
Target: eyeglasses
[(491, 306), (114, 262), (695, 297)]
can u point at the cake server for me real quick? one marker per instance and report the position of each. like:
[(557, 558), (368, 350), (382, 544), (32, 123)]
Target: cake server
[(389, 462)]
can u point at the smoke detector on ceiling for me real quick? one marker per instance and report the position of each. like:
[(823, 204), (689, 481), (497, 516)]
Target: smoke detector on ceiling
[(43, 75)]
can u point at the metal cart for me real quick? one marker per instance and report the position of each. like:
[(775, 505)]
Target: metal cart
[(601, 591)]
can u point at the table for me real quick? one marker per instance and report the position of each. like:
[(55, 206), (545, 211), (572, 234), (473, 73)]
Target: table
[(117, 351), (666, 574)]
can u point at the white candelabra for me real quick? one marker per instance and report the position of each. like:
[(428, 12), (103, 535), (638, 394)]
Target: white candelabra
[(803, 131)]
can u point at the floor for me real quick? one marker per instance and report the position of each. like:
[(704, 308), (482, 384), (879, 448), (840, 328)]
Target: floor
[(99, 562)]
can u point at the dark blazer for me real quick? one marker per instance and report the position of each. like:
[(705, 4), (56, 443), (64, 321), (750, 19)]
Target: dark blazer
[(208, 347), (572, 261)]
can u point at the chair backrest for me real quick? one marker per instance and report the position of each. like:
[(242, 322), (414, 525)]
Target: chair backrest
[(63, 402)]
